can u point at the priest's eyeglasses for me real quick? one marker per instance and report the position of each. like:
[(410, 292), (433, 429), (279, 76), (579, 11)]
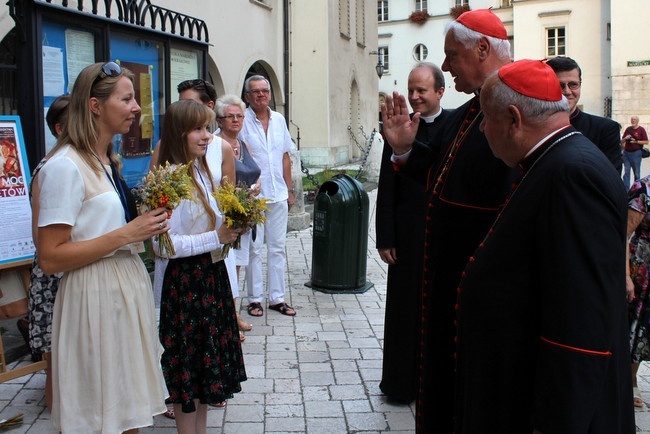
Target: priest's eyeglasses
[(572, 85)]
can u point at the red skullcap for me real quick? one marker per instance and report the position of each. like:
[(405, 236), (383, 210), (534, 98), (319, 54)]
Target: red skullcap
[(483, 21), (533, 78)]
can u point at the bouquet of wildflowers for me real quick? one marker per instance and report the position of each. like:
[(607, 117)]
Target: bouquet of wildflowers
[(240, 208), (164, 186)]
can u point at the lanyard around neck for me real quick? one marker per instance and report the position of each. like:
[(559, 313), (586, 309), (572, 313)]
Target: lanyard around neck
[(117, 185)]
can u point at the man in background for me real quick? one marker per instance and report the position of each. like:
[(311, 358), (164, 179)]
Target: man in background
[(603, 132), (265, 131), (634, 137)]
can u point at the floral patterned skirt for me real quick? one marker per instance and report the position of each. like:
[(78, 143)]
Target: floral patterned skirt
[(198, 329), (639, 312)]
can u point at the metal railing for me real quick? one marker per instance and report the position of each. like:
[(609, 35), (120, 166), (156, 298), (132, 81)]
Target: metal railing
[(142, 13)]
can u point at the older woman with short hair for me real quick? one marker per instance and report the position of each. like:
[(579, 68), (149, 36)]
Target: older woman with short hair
[(230, 117)]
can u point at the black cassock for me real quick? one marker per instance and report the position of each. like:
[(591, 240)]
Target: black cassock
[(465, 193), (542, 328), (401, 208), (603, 132)]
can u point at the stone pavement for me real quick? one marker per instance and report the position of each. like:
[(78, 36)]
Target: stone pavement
[(317, 372)]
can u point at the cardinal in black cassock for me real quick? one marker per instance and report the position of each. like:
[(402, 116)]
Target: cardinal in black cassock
[(542, 328)]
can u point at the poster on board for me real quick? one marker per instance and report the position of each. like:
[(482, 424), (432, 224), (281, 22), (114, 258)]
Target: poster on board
[(16, 244), (137, 142), (184, 66)]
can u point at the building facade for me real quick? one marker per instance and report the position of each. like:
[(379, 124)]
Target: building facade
[(318, 55), (596, 33), (630, 60), (315, 54), (333, 79)]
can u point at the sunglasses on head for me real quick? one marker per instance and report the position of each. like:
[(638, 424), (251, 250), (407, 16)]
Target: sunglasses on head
[(109, 69)]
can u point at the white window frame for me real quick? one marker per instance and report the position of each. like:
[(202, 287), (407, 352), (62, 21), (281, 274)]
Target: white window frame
[(382, 10), (385, 58), (555, 41)]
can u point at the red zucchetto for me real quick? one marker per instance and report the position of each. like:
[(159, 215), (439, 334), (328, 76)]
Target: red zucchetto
[(485, 22), (533, 78)]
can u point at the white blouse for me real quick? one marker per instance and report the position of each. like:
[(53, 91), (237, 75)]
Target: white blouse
[(73, 194), (189, 224)]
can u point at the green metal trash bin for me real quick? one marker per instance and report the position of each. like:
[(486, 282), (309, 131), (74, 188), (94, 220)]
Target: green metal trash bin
[(340, 237)]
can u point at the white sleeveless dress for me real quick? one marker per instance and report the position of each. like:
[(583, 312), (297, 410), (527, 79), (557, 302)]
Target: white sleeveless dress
[(214, 156)]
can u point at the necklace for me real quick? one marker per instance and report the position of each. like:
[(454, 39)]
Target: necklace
[(236, 146), (237, 150)]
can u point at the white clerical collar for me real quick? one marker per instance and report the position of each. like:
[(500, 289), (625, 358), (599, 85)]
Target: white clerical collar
[(430, 119), (541, 142)]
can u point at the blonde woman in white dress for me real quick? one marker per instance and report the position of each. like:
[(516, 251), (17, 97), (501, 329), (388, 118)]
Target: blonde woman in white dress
[(106, 369)]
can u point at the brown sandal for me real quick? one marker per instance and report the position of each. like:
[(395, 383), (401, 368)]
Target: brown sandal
[(255, 309), (283, 308)]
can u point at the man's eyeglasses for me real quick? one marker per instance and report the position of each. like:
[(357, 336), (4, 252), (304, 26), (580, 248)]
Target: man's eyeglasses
[(109, 69), (260, 91), (232, 117), (572, 85)]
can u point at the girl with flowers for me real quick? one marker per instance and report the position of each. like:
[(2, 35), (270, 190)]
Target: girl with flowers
[(203, 361)]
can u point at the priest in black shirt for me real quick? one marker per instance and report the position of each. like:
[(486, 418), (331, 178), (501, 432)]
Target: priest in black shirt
[(401, 209), (603, 132)]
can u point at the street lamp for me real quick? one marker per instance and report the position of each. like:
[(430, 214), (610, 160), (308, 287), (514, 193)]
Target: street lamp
[(380, 66)]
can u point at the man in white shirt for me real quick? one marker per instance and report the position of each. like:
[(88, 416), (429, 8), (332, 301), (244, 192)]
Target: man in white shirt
[(265, 131)]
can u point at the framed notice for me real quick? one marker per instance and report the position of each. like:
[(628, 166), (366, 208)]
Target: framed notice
[(16, 244)]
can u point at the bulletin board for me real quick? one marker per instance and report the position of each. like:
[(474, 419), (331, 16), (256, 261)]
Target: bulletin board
[(68, 49), (145, 58), (16, 244)]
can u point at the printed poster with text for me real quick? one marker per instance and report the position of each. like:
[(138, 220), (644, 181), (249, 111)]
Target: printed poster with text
[(16, 242)]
